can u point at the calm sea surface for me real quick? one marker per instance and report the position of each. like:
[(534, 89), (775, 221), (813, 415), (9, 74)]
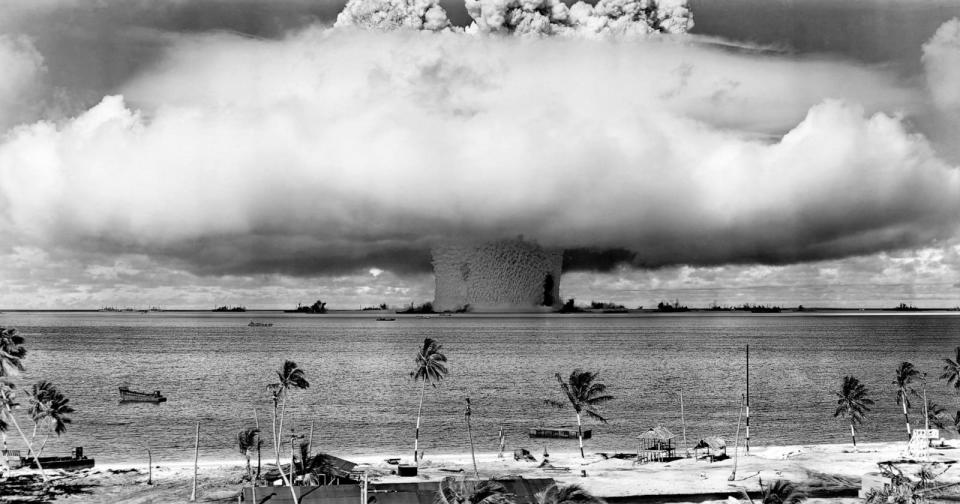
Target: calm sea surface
[(214, 369)]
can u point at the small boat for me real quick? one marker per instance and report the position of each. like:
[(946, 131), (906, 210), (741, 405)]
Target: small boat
[(386, 319), (260, 324), (127, 395), (547, 432)]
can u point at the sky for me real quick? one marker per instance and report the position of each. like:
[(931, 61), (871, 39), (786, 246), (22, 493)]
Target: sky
[(187, 154)]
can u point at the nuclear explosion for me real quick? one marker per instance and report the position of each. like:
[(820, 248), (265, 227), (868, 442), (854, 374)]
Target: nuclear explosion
[(505, 275)]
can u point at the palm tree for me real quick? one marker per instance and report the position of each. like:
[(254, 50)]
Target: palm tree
[(905, 375), (783, 492), (937, 416), (430, 367), (12, 352), (454, 491), (584, 395), (7, 404), (852, 403), (567, 494), (951, 372), (48, 405), (290, 377), (247, 440)]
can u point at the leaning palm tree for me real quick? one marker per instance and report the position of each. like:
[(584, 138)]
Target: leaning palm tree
[(951, 372), (455, 491), (584, 393), (290, 377), (853, 403), (567, 494), (246, 441), (904, 376), (430, 367), (48, 406)]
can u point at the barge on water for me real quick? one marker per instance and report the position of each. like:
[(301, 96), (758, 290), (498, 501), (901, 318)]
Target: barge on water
[(127, 395), (562, 433)]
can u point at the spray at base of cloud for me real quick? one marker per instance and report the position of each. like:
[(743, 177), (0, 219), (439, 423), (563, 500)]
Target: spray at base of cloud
[(393, 15), (335, 150), (607, 18), (619, 18)]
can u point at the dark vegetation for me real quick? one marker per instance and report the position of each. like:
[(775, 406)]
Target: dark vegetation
[(570, 307), (667, 307), (414, 308), (317, 307), (608, 307), (380, 307), (226, 308)]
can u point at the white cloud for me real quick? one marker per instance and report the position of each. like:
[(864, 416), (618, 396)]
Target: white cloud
[(331, 145)]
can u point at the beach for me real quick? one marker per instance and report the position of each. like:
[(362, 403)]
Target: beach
[(814, 467)]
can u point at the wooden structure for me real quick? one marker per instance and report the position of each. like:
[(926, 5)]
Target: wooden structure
[(711, 448), (655, 445), (562, 433), (127, 395), (74, 462)]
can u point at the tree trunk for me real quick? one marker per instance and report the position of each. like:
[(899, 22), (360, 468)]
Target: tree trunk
[(473, 454), (256, 418), (905, 417), (196, 460), (580, 435), (43, 444), (6, 463), (279, 433), (853, 434), (416, 436), (683, 422)]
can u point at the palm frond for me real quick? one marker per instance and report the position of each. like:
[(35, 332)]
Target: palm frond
[(430, 363), (783, 492), (567, 494), (594, 415)]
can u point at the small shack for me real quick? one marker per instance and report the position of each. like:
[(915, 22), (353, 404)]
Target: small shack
[(711, 448), (655, 445)]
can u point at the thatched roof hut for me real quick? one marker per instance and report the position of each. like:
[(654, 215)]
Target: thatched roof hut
[(655, 444), (657, 433), (711, 443), (712, 447)]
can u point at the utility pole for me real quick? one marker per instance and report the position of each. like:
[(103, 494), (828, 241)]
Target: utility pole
[(736, 443), (748, 400)]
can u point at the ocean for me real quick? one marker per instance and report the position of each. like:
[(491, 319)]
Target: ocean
[(214, 370)]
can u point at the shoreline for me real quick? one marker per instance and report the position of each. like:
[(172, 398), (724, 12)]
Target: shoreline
[(822, 469)]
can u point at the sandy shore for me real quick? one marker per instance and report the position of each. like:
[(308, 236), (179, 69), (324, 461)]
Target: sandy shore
[(813, 466)]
